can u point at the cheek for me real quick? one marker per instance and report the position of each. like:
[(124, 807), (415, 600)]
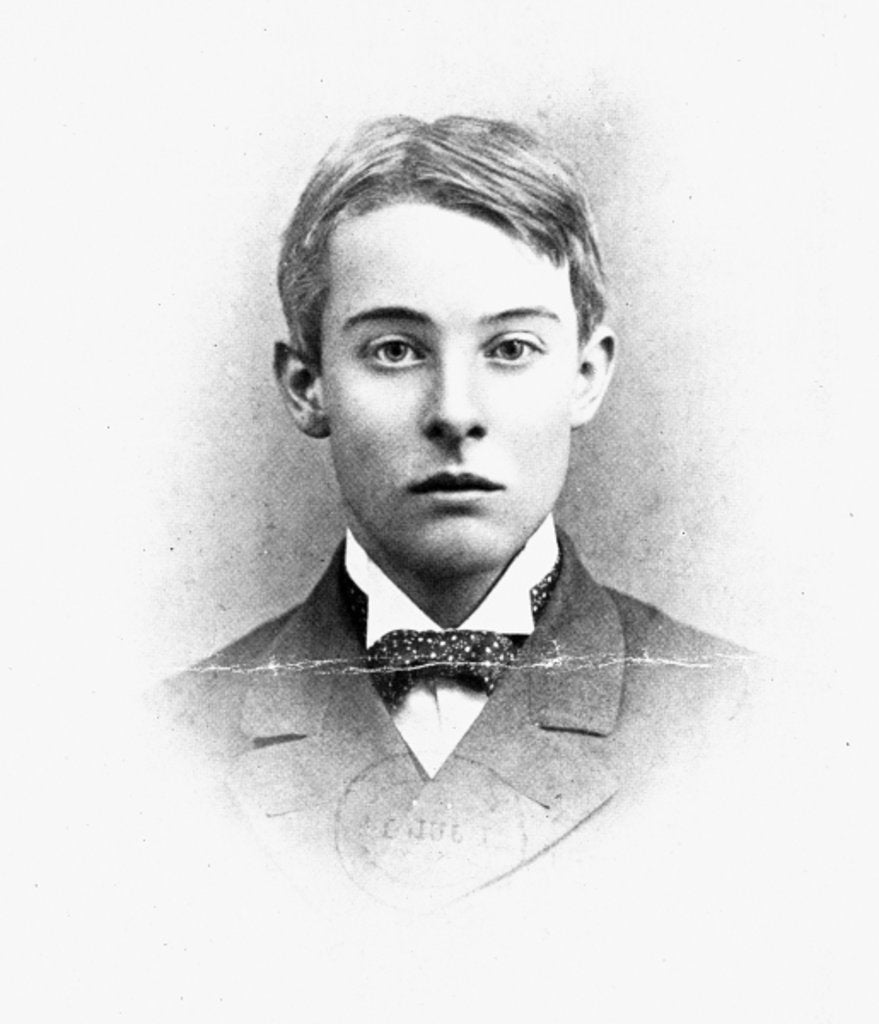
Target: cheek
[(541, 413), (545, 454), (354, 412), (367, 431), (540, 434)]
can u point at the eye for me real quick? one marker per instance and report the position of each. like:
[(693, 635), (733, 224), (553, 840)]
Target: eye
[(394, 352), (513, 350)]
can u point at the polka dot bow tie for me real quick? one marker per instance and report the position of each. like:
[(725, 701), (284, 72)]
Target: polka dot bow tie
[(400, 658), (404, 657)]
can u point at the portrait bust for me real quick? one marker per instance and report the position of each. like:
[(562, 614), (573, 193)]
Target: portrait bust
[(457, 696)]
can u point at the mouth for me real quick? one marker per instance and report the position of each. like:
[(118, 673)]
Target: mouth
[(450, 483)]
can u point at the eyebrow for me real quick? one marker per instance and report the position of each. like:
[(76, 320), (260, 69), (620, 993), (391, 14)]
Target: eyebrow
[(398, 313), (521, 313), (412, 316)]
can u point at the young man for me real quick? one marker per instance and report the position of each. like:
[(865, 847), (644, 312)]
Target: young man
[(457, 694)]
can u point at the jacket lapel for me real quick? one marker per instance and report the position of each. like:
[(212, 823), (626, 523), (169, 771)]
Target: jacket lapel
[(543, 731), (329, 768), (311, 713)]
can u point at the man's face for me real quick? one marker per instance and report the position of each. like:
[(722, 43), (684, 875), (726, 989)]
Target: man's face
[(451, 377)]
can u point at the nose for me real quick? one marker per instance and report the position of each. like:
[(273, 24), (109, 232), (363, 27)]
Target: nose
[(453, 410)]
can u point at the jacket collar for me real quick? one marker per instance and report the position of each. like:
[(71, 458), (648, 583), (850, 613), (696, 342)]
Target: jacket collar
[(507, 608), (579, 637), (318, 660), (534, 735)]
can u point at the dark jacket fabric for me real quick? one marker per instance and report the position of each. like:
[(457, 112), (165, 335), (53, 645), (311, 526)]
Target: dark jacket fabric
[(606, 694)]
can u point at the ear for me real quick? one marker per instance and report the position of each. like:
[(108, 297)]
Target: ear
[(302, 390), (597, 359)]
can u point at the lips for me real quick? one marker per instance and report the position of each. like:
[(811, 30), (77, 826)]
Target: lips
[(454, 482)]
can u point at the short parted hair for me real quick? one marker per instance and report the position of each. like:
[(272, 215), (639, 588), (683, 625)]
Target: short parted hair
[(496, 171)]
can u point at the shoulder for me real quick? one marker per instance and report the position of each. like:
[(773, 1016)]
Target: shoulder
[(648, 634), (254, 647), (651, 633), (683, 688), (203, 706), (203, 703)]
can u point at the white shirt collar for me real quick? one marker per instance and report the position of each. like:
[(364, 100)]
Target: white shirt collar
[(506, 608)]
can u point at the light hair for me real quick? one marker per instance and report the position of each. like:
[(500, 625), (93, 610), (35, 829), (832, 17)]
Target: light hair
[(495, 171)]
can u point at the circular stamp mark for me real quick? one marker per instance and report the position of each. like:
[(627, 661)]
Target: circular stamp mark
[(446, 836)]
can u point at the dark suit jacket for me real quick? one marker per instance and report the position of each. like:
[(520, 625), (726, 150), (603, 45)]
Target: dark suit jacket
[(606, 692)]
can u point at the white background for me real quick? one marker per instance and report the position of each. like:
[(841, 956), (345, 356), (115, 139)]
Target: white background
[(159, 504), (163, 149)]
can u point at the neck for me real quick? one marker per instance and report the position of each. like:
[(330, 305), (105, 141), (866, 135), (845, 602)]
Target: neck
[(449, 590), (448, 600)]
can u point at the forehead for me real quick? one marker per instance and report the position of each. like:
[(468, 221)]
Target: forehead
[(444, 263)]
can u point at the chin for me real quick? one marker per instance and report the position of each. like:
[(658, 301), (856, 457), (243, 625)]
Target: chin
[(455, 549)]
